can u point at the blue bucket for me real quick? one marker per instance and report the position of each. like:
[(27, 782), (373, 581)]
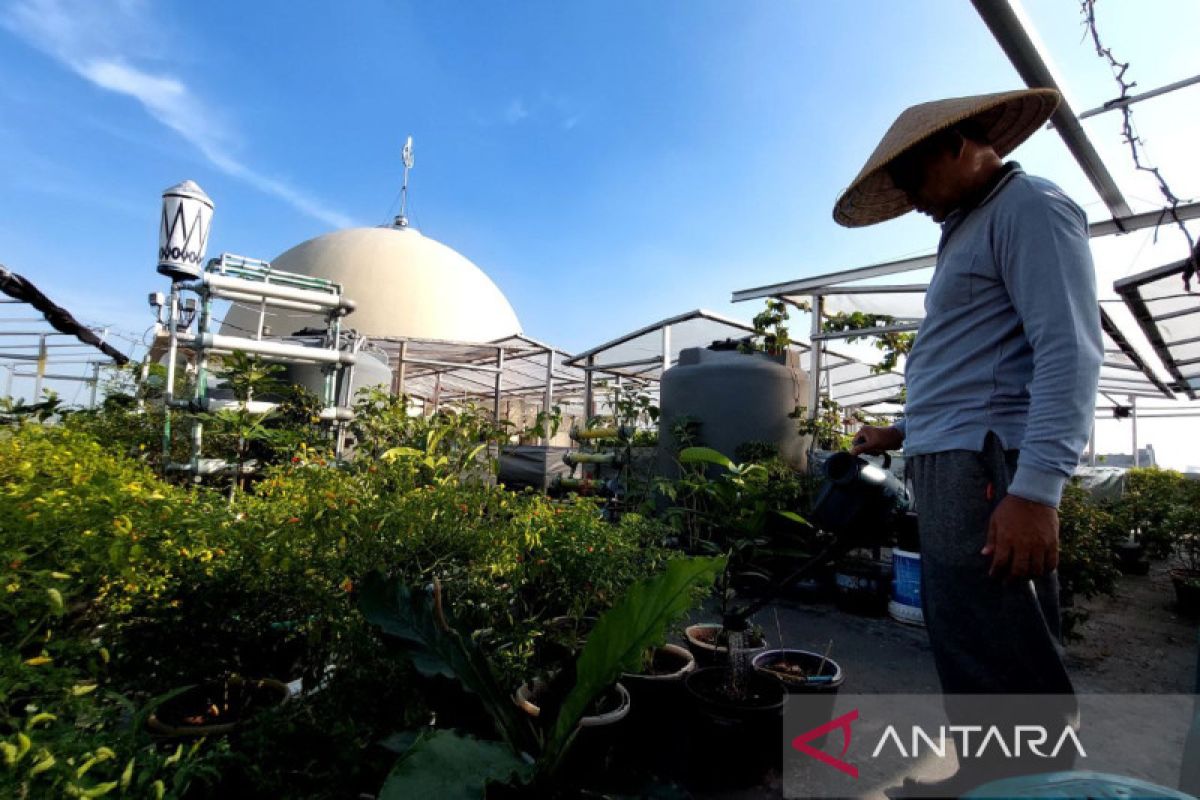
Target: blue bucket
[(906, 587)]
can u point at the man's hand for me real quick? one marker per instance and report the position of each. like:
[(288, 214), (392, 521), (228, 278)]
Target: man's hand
[(874, 441), (1022, 539)]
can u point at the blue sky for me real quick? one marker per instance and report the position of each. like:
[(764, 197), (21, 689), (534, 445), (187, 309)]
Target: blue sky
[(606, 163)]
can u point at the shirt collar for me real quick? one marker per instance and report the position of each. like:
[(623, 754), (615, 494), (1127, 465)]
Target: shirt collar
[(985, 195)]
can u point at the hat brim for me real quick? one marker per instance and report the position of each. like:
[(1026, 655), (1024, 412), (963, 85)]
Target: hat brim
[(1007, 119)]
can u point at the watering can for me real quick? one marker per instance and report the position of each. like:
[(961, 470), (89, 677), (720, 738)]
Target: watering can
[(860, 500)]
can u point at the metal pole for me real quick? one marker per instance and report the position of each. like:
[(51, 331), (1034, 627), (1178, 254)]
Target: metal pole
[(548, 399), (169, 389), (1092, 444), (400, 367), (41, 368), (1137, 98), (499, 382), (8, 381), (666, 348), (200, 393), (814, 370), (589, 399), (1137, 462), (95, 384)]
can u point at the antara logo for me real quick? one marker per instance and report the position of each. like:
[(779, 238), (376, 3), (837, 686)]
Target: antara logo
[(990, 740), (801, 743), (1024, 739)]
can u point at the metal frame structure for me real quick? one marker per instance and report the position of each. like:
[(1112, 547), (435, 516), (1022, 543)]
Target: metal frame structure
[(31, 349), (1155, 312), (1122, 362), (657, 348), (441, 371), (255, 282)]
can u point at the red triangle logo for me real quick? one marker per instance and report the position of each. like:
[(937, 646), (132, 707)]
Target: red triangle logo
[(801, 743)]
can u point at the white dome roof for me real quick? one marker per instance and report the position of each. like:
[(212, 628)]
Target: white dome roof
[(404, 284)]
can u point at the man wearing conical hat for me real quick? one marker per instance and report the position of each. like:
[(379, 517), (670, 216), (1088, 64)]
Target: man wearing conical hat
[(1001, 384)]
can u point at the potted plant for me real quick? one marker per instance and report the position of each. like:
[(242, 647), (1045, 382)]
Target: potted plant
[(216, 707), (737, 723), (659, 678), (1184, 522)]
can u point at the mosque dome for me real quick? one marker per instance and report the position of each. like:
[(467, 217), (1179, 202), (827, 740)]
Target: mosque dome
[(404, 284)]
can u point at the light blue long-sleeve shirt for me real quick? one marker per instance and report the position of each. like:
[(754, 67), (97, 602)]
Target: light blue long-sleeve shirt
[(1011, 339)]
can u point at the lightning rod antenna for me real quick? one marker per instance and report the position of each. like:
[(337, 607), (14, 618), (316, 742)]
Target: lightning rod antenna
[(407, 155)]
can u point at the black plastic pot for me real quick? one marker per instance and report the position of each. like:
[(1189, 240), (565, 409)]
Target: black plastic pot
[(1131, 558), (811, 682), (734, 740), (701, 641), (657, 722), (215, 708), (863, 587), (1187, 591)]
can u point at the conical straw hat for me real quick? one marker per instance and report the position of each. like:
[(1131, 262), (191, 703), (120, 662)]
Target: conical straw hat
[(1008, 118)]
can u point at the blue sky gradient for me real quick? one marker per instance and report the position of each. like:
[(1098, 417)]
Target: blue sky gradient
[(608, 164)]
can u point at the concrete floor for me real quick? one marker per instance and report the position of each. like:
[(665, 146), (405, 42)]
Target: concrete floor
[(1132, 643)]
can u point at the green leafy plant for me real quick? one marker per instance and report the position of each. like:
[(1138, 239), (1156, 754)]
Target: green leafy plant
[(1086, 566), (1150, 494), (436, 646), (770, 334)]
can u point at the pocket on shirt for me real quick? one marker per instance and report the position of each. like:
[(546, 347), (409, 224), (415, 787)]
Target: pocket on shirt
[(952, 289)]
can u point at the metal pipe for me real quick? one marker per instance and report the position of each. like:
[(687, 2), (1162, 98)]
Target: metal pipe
[(400, 367), (815, 359), (666, 348), (1010, 33), (499, 382), (291, 305), (589, 390), (1122, 102), (95, 384), (172, 355), (548, 400), (826, 335), (219, 283), (1133, 417), (41, 369), (270, 349)]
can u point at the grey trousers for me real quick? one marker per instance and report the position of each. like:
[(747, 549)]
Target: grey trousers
[(988, 636)]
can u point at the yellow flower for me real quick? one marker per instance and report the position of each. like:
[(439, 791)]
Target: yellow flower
[(44, 763), (38, 661), (38, 719), (80, 689)]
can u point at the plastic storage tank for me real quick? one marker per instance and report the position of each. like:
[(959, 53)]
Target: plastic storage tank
[(369, 370), (736, 398)]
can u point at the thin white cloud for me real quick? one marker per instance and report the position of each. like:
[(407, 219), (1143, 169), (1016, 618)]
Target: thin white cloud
[(90, 39), (516, 111)]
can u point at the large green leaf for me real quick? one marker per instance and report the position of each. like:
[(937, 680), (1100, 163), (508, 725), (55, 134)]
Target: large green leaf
[(436, 647), (448, 766), (639, 620), (704, 455)]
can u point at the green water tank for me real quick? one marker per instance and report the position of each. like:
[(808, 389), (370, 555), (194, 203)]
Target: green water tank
[(735, 398)]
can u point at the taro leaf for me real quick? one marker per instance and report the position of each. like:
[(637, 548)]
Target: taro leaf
[(638, 620), (436, 647), (793, 516), (448, 766), (704, 455), (408, 617)]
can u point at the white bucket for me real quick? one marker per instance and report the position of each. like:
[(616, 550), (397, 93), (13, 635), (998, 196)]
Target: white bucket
[(905, 605)]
